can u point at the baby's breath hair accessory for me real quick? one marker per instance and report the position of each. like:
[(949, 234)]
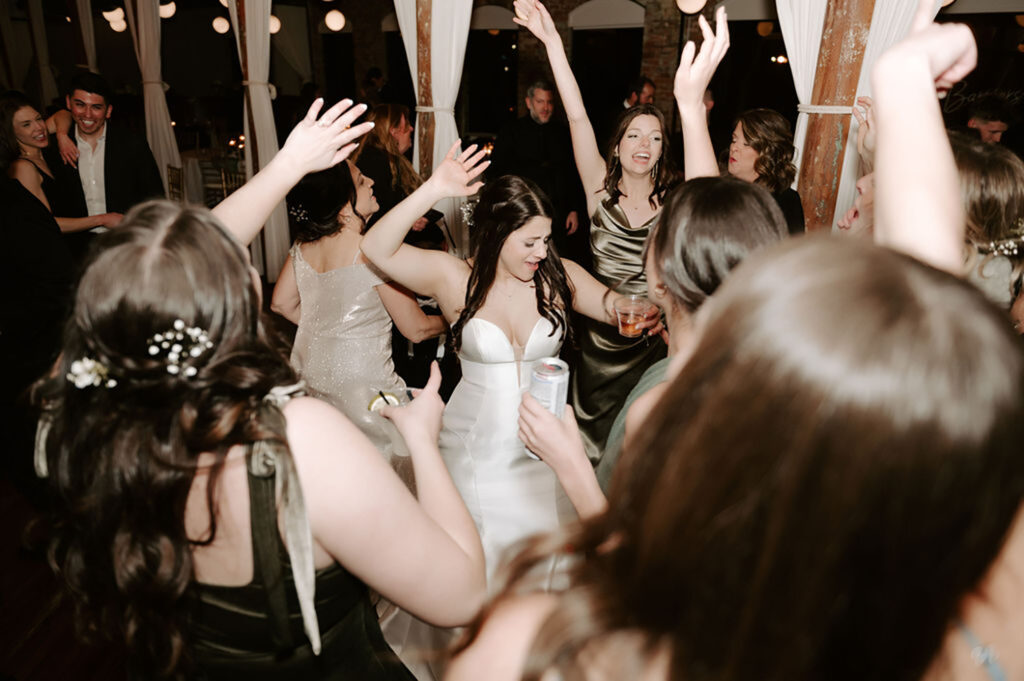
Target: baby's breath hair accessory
[(298, 213), (181, 344), (1005, 247), (467, 209), (87, 372)]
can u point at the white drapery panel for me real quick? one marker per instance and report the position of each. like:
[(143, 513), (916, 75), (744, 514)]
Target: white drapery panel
[(292, 41), (143, 17), (256, 50), (890, 22), (88, 34), (449, 31), (47, 82), (801, 22)]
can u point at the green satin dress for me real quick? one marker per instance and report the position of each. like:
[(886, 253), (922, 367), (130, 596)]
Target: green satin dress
[(610, 364)]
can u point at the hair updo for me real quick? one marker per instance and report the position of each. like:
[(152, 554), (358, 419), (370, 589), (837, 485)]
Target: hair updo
[(315, 203)]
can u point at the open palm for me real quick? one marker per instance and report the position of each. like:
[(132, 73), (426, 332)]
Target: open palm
[(532, 15), (455, 175)]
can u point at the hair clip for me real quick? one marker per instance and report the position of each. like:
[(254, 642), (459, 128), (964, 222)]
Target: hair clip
[(182, 345), (298, 213), (87, 372)]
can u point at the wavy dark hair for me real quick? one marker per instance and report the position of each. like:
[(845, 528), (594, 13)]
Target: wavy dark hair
[(10, 102), (709, 225), (505, 205), (836, 467), (770, 135), (663, 175), (122, 459), (315, 202)]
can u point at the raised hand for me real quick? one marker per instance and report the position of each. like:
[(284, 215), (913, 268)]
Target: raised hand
[(697, 67), (420, 420), (455, 175), (321, 142), (534, 17), (865, 131)]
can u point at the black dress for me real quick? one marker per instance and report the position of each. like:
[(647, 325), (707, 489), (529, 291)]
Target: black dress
[(792, 210), (237, 634)]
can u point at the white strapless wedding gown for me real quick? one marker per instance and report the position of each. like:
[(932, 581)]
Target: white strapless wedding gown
[(510, 495)]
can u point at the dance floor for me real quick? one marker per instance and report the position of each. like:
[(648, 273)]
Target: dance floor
[(37, 639)]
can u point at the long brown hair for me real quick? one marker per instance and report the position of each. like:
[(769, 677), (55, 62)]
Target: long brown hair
[(505, 205), (770, 135), (122, 455), (834, 469), (663, 175), (386, 117)]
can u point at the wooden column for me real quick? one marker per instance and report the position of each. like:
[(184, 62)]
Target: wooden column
[(425, 120), (843, 40)]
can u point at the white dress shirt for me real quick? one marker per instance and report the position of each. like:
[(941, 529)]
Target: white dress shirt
[(90, 170)]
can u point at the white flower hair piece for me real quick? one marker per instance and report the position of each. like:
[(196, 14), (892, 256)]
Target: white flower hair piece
[(467, 209), (181, 344), (87, 372)]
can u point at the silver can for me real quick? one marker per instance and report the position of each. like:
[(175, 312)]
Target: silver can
[(549, 384)]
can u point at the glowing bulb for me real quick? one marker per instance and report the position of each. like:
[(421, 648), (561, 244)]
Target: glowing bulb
[(221, 25), (224, 3), (335, 20), (241, 138), (1019, 19), (167, 11), (116, 14), (690, 6), (783, 59), (118, 26), (275, 24), (765, 28), (774, 59)]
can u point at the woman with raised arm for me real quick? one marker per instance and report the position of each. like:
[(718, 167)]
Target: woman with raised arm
[(845, 408), (343, 309), (624, 191), (207, 516)]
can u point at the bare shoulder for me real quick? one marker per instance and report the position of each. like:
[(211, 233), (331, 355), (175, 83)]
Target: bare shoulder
[(498, 653)]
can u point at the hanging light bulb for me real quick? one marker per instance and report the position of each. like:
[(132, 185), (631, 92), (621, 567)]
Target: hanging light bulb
[(167, 11), (118, 26), (221, 25), (116, 14), (224, 3), (691, 6), (765, 28), (275, 24), (335, 20)]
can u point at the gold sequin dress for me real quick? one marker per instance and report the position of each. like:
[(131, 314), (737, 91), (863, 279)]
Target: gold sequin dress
[(610, 364)]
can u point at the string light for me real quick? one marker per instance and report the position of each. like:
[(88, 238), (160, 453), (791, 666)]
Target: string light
[(167, 11), (118, 26), (221, 25), (275, 24), (116, 14), (335, 20)]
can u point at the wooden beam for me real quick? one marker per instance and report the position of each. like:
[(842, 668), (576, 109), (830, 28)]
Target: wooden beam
[(843, 40), (425, 120)]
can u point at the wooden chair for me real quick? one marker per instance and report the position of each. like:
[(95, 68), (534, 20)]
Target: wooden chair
[(175, 184)]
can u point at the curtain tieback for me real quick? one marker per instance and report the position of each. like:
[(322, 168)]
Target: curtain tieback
[(824, 109), (435, 109), (270, 86), (161, 83)]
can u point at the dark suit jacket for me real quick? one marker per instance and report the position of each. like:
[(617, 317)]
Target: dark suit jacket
[(130, 175)]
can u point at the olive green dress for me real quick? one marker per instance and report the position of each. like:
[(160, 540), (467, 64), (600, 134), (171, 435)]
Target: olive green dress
[(610, 364)]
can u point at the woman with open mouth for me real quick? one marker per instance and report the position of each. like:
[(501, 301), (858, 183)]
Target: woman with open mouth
[(624, 189)]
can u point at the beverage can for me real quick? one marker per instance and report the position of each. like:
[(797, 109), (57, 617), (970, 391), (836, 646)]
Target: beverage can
[(549, 384)]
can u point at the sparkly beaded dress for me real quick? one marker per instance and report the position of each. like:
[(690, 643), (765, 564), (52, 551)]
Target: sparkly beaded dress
[(343, 346)]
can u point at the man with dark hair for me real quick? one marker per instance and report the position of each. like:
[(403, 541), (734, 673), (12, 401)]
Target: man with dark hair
[(98, 168), (990, 114), (641, 91), (538, 148)]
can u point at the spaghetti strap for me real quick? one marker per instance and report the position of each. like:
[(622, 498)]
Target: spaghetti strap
[(983, 655)]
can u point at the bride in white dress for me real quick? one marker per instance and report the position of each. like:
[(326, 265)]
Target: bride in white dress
[(507, 306)]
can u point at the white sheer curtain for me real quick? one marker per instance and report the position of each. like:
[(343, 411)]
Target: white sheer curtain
[(88, 34), (889, 23), (143, 17), (801, 22), (292, 41), (449, 31), (256, 50), (38, 23)]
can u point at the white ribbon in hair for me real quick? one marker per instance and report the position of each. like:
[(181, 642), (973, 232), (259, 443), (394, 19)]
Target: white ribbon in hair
[(270, 86), (824, 109)]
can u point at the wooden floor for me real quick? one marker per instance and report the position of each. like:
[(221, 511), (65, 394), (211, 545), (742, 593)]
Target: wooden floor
[(37, 638)]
